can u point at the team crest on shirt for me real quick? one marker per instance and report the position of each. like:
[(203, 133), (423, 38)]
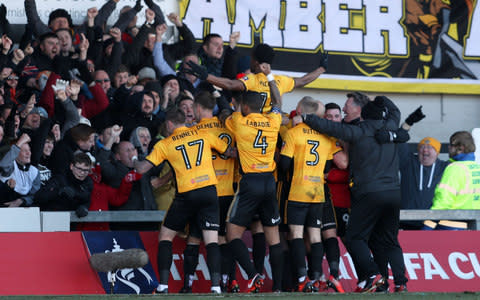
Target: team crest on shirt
[(245, 78)]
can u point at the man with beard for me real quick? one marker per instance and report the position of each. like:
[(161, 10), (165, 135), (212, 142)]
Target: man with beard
[(145, 117)]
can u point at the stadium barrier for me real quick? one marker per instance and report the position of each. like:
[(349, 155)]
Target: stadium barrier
[(472, 217), (56, 263)]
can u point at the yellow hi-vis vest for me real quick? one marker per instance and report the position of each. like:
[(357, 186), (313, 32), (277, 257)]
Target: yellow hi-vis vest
[(459, 187)]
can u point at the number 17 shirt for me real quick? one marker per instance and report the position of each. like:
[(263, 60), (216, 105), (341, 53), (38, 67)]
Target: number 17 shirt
[(189, 153)]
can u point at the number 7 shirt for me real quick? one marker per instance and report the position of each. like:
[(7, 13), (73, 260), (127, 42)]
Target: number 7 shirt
[(256, 135), (189, 153), (259, 83)]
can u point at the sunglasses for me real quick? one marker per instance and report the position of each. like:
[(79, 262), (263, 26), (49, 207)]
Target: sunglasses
[(102, 80), (12, 78)]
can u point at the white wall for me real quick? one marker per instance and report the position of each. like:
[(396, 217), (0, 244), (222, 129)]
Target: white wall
[(445, 114)]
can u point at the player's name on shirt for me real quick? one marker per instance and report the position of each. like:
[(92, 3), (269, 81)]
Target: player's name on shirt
[(265, 82), (184, 135), (311, 131), (257, 124), (209, 125)]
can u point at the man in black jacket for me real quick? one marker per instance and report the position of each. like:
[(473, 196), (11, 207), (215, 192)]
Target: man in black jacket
[(79, 138), (48, 49), (71, 191), (144, 117), (376, 198)]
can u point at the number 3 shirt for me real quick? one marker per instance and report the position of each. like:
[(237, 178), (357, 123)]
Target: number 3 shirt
[(256, 135), (310, 150), (189, 153)]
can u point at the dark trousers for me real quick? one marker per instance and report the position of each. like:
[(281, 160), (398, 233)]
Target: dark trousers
[(373, 225)]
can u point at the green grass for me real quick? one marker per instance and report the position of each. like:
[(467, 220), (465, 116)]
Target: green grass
[(286, 296)]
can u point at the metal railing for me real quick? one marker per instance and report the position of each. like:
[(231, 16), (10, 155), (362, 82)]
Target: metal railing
[(472, 217)]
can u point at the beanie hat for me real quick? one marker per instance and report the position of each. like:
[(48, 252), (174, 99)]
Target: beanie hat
[(153, 85), (60, 13), (146, 72), (432, 142), (107, 43), (167, 78), (263, 53), (373, 110)]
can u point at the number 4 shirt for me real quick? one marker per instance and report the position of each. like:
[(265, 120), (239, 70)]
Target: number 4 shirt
[(189, 153), (310, 150), (256, 135)]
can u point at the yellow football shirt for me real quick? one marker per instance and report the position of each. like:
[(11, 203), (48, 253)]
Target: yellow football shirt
[(259, 83), (256, 136), (310, 150), (189, 153), (224, 166)]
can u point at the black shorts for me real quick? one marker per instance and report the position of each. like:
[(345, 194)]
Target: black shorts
[(342, 215), (197, 206), (283, 188), (307, 214), (328, 218), (224, 202), (256, 195), (194, 229)]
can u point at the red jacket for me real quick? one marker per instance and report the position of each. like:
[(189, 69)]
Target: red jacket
[(90, 107), (103, 196), (338, 183)]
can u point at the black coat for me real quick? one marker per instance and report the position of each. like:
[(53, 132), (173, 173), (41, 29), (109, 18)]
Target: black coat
[(374, 167), (152, 122), (53, 196), (62, 155)]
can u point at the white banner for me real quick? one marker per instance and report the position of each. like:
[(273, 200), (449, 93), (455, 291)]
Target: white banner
[(78, 9)]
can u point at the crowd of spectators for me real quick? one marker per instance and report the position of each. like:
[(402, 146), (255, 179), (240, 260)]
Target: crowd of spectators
[(81, 107), (80, 103), (67, 89)]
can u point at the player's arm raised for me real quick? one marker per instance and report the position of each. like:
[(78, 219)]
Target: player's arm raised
[(225, 83), (272, 84), (309, 77)]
